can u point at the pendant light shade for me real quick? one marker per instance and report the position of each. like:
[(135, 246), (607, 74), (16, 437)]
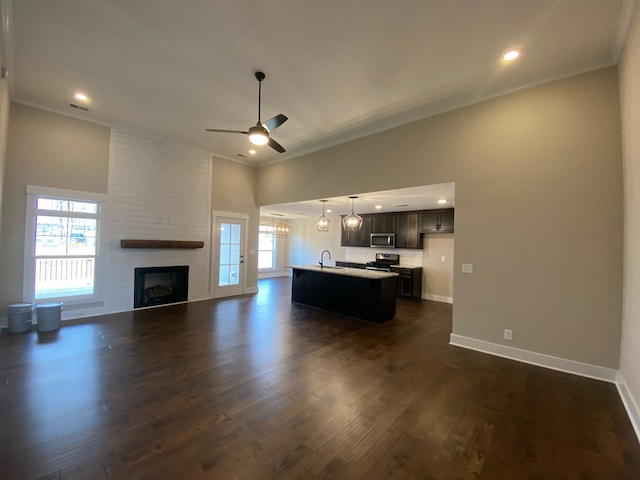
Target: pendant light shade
[(352, 221), (323, 222), (280, 229)]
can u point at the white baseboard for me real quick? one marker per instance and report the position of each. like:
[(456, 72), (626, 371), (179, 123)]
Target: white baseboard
[(251, 290), (437, 298), (539, 359), (272, 275), (629, 403)]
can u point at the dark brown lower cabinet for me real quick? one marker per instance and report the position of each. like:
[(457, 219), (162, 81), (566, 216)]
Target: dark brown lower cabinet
[(409, 281)]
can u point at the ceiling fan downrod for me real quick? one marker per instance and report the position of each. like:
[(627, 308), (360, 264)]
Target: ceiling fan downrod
[(260, 76)]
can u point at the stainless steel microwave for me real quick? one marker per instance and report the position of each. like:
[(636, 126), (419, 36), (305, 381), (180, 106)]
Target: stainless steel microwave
[(383, 240)]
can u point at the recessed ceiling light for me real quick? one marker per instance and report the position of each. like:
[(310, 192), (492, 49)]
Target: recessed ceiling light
[(81, 96), (378, 207), (252, 152), (511, 55), (442, 201), (329, 210)]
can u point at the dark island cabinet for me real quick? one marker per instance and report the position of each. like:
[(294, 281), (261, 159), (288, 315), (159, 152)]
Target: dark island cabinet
[(436, 221), (361, 266), (370, 296)]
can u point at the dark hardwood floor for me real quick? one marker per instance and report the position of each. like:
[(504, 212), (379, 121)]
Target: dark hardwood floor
[(255, 387)]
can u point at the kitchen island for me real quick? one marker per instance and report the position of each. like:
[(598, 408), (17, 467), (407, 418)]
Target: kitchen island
[(366, 294)]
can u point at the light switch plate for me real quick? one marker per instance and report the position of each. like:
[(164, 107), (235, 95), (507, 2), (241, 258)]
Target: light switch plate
[(467, 268)]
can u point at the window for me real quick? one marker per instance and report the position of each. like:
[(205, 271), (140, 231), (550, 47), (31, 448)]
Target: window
[(62, 255), (266, 248), (230, 258)]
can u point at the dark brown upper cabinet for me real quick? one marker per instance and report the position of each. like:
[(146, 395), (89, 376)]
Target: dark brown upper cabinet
[(383, 223), (436, 221), (357, 238), (348, 238), (407, 231), (408, 227), (364, 234)]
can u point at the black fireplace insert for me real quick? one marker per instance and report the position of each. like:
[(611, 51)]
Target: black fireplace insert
[(154, 286)]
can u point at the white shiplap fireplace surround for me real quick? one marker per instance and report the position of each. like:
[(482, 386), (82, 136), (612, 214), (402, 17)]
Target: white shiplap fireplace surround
[(156, 192)]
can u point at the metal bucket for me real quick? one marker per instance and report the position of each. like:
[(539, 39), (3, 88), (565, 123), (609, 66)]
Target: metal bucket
[(48, 315), (19, 316)]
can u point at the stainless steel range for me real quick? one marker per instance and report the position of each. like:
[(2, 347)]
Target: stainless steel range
[(384, 262)]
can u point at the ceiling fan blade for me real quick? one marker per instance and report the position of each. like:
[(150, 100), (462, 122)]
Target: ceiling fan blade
[(275, 122), (276, 146), (225, 131)]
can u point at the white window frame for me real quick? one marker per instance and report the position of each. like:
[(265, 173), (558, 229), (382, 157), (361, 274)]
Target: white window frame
[(274, 247), (32, 195)]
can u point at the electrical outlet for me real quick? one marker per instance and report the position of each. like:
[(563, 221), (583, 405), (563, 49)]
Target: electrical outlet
[(508, 334), (443, 259)]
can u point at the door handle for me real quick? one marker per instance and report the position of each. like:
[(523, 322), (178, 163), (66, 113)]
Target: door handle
[(241, 258)]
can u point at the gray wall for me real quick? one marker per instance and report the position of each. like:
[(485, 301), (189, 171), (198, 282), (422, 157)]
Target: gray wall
[(538, 178), (437, 276), (233, 190), (4, 115), (53, 150), (49, 150), (630, 100)]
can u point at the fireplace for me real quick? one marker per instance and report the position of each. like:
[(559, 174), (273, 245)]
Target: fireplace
[(160, 286)]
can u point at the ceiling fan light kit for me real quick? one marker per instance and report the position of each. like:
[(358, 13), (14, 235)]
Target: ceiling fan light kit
[(352, 221), (259, 134)]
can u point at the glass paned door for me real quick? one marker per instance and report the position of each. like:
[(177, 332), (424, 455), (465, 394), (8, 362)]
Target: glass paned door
[(229, 257)]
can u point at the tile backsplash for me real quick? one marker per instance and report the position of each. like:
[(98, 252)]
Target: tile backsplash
[(363, 255)]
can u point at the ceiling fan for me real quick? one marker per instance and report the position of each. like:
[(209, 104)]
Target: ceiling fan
[(259, 134)]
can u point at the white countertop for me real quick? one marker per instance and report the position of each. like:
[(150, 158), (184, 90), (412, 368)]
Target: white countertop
[(350, 272)]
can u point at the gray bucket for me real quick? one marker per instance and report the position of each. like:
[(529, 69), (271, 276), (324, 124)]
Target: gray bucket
[(48, 315), (19, 317)]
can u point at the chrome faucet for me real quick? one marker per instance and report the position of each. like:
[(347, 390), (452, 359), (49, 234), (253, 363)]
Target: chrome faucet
[(321, 262)]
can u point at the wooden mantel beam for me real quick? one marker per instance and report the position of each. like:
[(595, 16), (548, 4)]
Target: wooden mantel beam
[(131, 243)]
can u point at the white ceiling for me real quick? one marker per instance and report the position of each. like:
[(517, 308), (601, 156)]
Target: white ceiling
[(339, 69)]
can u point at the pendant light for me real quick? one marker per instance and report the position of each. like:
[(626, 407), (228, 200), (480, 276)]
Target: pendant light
[(323, 222), (352, 221), (280, 229)]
